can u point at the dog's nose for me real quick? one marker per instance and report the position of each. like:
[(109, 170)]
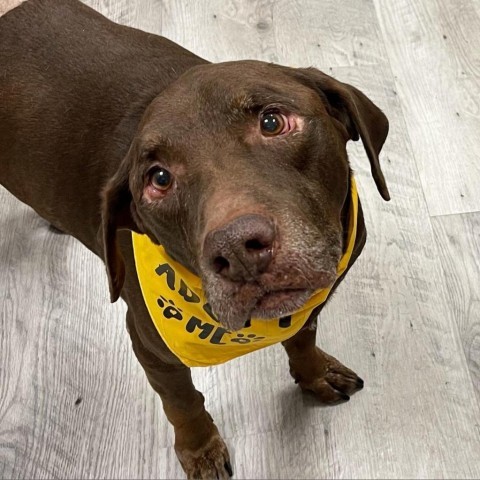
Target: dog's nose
[(242, 249)]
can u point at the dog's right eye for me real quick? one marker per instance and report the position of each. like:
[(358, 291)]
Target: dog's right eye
[(161, 179), (273, 123)]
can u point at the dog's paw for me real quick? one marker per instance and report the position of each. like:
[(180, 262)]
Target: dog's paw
[(324, 376), (211, 461)]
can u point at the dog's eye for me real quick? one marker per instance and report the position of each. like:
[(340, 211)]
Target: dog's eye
[(273, 123), (161, 179)]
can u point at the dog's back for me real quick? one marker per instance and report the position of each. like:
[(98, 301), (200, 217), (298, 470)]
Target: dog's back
[(73, 88)]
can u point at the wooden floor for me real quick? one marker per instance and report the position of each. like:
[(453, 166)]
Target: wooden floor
[(74, 403)]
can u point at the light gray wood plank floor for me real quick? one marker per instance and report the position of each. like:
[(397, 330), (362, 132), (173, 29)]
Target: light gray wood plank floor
[(433, 50), (458, 239), (74, 403)]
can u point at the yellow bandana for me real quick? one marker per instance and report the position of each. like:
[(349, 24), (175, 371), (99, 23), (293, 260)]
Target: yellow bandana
[(183, 318)]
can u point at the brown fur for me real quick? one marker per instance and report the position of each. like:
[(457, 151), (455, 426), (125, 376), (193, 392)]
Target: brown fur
[(87, 107)]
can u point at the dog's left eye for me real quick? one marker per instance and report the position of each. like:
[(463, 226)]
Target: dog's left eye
[(161, 179)]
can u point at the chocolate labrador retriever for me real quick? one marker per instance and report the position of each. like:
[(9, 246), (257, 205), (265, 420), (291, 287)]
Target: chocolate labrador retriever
[(219, 196)]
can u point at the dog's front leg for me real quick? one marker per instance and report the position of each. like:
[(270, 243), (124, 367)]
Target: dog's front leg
[(316, 371), (198, 444)]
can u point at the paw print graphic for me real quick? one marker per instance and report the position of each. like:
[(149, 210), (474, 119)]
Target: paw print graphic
[(242, 338), (171, 311)]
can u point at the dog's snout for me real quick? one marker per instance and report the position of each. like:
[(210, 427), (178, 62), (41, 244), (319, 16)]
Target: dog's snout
[(242, 249)]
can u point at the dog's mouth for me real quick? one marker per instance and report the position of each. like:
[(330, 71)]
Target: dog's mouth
[(265, 302), (278, 303), (270, 299)]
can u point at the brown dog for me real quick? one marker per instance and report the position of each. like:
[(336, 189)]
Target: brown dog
[(239, 170)]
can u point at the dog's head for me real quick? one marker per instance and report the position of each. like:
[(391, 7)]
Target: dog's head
[(240, 171)]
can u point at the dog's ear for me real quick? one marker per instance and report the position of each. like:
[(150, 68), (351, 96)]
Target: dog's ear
[(118, 212), (359, 115)]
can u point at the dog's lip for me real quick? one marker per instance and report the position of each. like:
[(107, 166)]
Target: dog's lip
[(284, 300), (280, 302)]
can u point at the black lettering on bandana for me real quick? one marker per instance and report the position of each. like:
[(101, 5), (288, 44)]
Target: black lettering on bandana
[(165, 268), (187, 294), (218, 335), (285, 322), (206, 328)]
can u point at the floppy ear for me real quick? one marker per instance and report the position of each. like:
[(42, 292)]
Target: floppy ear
[(360, 116), (118, 212)]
